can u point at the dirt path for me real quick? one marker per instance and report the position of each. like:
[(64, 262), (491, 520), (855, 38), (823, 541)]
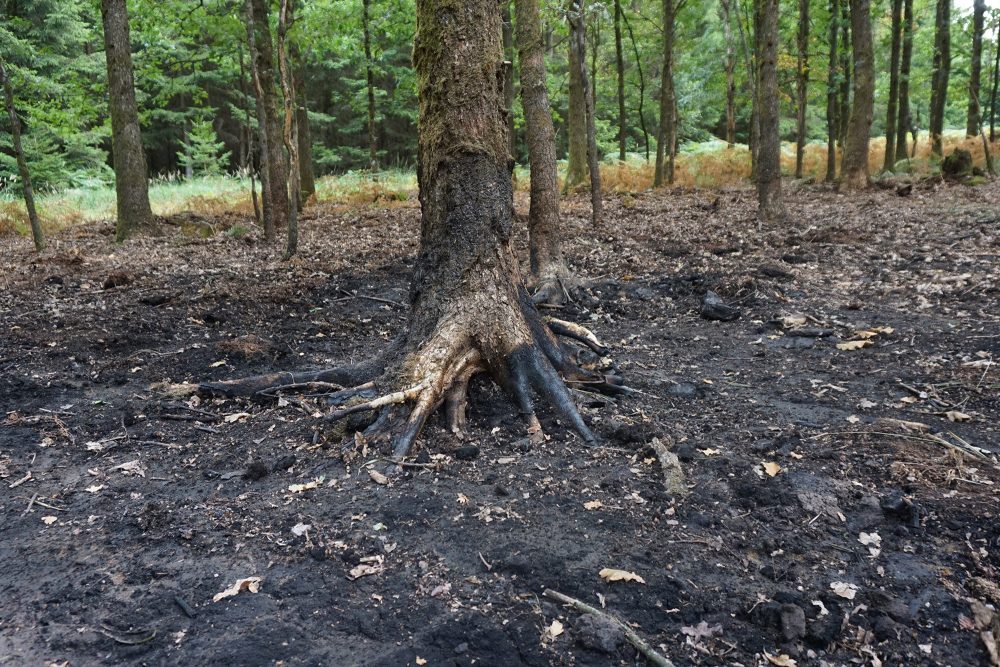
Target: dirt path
[(873, 542)]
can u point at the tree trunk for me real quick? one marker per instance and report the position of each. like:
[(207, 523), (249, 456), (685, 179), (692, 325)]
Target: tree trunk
[(993, 94), (578, 34), (665, 134), (131, 178), (267, 217), (844, 114), (620, 71), (770, 205), (801, 86), (903, 121), (22, 163), (831, 96), (730, 67), (896, 26), (247, 161), (307, 177), (370, 86), (272, 153), (549, 273), (289, 130), (576, 121), (642, 85), (941, 72), (975, 68), (855, 167), (755, 94)]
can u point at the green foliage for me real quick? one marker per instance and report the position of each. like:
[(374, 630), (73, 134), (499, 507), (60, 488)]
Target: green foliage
[(202, 154)]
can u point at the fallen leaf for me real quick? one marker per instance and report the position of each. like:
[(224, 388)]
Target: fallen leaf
[(771, 468), (300, 529), (956, 416), (463, 499), (133, 467), (844, 590), (554, 630), (610, 574), (95, 488), (217, 364), (364, 570), (420, 661), (702, 631), (378, 477), (854, 345), (593, 504), (866, 404), (782, 660), (853, 419), (796, 455), (299, 488), (709, 451), (49, 520), (870, 539), (251, 584), (235, 417)]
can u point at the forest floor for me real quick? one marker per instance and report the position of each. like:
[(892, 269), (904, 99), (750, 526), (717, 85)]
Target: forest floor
[(840, 507)]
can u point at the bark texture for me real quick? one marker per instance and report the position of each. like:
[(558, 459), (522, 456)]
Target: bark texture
[(290, 133), (993, 94), (730, 67), (370, 84), (801, 85), (576, 120), (831, 95), (620, 71), (770, 206), (131, 178), (549, 274), (22, 163), (975, 68), (855, 165), (663, 172), (578, 35), (904, 121), (896, 26), (307, 177), (941, 73)]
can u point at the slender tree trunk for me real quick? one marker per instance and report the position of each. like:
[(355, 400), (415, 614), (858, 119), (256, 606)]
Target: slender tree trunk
[(578, 33), (855, 167), (263, 138), (801, 86), (975, 68), (903, 121), (665, 134), (22, 163), (131, 179), (725, 14), (620, 71), (831, 96), (896, 26), (844, 115), (576, 122), (507, 34), (549, 273), (370, 84), (594, 29), (290, 129), (642, 85), (996, 84), (755, 100), (274, 158), (248, 162), (770, 205), (307, 177), (941, 73)]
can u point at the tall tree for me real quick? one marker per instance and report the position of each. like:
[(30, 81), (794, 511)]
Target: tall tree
[(996, 85), (831, 95), (369, 85), (725, 14), (289, 127), (307, 176), (665, 137), (576, 120), (896, 26), (275, 190), (941, 72), (801, 85), (578, 38), (770, 205), (904, 122), (844, 112), (131, 180), (975, 68), (620, 71), (22, 163), (642, 86), (507, 34), (549, 274), (854, 171)]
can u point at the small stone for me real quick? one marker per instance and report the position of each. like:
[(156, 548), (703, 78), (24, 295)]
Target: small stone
[(714, 308), (462, 648), (686, 452), (793, 622), (467, 453), (256, 470), (117, 280), (598, 634), (284, 463), (885, 628)]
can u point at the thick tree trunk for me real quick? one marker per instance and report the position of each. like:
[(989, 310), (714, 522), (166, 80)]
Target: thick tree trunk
[(22, 163), (370, 86), (941, 73), (730, 66), (620, 71), (290, 128), (578, 34), (844, 114), (770, 205), (896, 26), (975, 68), (855, 167), (801, 86), (272, 151), (831, 96), (903, 121), (549, 273), (642, 86), (665, 135), (576, 121), (131, 178), (507, 34)]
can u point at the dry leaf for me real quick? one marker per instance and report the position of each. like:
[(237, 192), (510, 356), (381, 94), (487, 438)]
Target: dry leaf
[(378, 477), (251, 584), (235, 417), (300, 529), (95, 488), (463, 499), (866, 404), (49, 520), (771, 468), (956, 416), (854, 344), (554, 630), (133, 467), (853, 419), (364, 570), (709, 451), (217, 364), (593, 504), (782, 660), (610, 574), (420, 661), (844, 590), (299, 488), (702, 631)]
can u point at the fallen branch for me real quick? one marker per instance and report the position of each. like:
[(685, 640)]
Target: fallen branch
[(634, 639)]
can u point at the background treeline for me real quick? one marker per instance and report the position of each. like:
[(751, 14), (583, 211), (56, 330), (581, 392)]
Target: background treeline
[(197, 111)]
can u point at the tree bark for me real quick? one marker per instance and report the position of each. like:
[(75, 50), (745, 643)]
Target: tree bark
[(642, 86), (507, 34), (576, 121), (975, 68), (993, 94), (801, 86), (131, 178), (903, 122), (941, 73), (770, 205), (272, 152), (831, 96), (22, 163), (855, 166), (247, 161), (307, 177), (578, 35), (620, 71), (755, 94), (665, 135), (896, 27), (289, 128), (267, 214), (844, 115), (725, 14), (549, 273)]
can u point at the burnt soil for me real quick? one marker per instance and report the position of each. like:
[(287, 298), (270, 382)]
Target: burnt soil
[(143, 504)]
